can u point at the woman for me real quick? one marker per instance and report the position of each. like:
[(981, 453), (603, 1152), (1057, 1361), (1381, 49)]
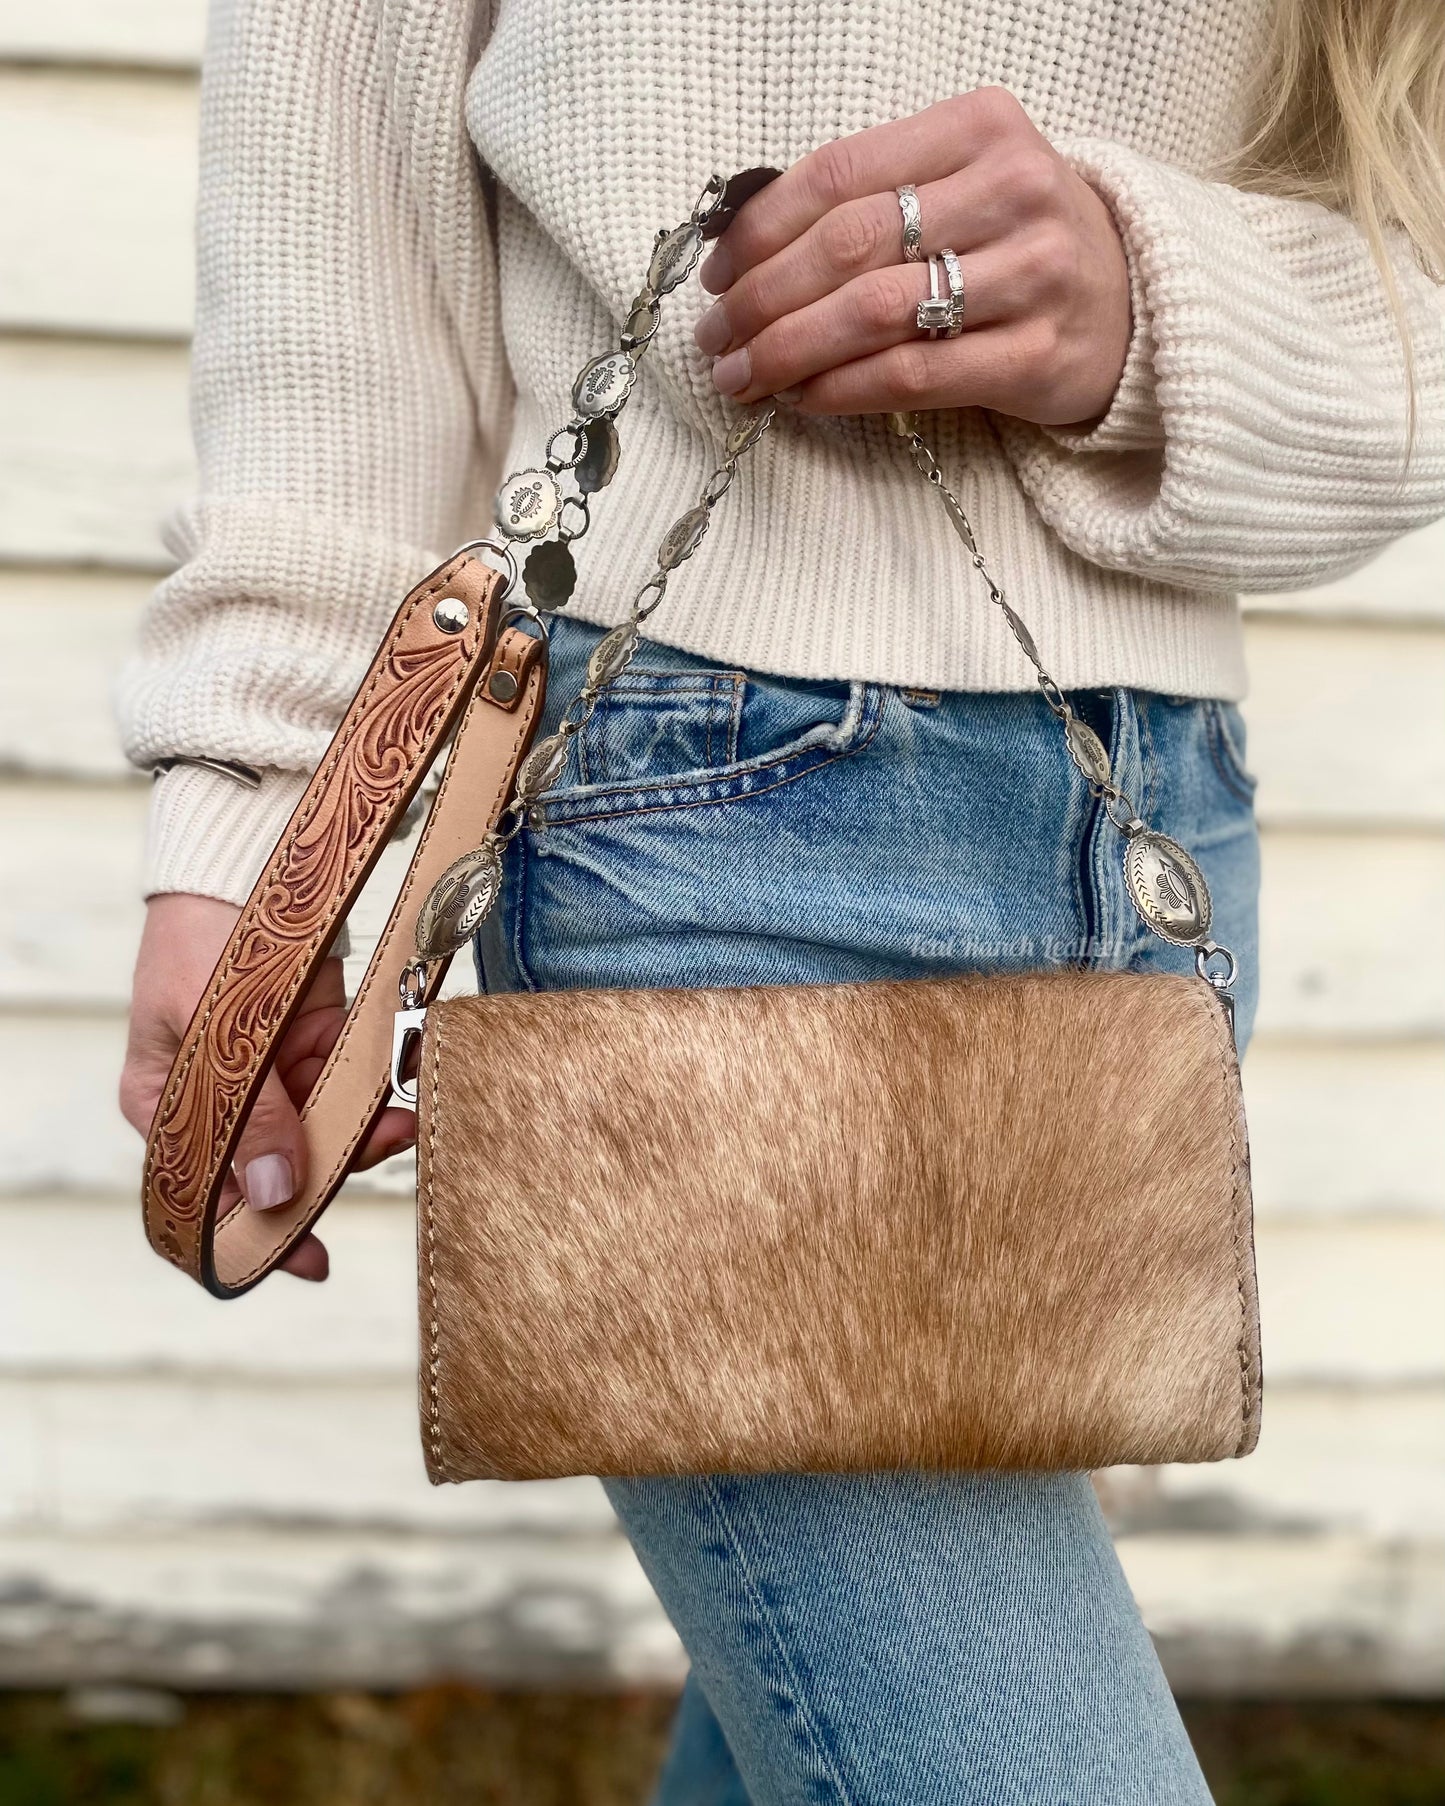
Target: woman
[(417, 222)]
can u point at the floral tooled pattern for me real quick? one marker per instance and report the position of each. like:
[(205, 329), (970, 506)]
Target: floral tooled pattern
[(303, 893)]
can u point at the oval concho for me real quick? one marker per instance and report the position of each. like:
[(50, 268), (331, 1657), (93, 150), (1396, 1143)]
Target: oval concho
[(458, 902), (683, 538), (1167, 888), (1087, 750), (603, 385), (673, 259), (612, 655), (527, 504), (541, 768), (746, 432)]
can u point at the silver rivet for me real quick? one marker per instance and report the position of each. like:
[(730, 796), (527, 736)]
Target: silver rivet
[(451, 615), (503, 685)]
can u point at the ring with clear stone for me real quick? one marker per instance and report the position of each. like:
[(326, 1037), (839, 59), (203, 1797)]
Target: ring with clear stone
[(935, 315)]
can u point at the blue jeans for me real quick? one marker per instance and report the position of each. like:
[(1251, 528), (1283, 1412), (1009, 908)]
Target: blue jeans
[(883, 1639)]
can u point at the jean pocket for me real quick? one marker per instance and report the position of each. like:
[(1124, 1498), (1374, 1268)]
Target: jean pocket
[(660, 721), (673, 738), (1228, 747)]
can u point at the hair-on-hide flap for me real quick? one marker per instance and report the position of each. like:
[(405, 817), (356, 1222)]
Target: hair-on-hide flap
[(995, 1222)]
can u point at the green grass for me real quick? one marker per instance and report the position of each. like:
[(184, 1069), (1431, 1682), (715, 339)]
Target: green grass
[(1326, 1753), (464, 1747)]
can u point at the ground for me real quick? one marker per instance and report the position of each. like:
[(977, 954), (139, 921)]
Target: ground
[(462, 1747)]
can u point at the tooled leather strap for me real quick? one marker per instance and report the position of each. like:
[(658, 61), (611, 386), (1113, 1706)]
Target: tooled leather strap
[(423, 682)]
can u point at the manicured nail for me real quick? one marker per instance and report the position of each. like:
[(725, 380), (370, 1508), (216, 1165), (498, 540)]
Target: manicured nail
[(716, 273), (732, 374), (789, 397), (712, 332), (267, 1181)]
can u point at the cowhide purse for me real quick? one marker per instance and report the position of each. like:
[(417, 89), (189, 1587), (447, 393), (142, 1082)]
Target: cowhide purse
[(992, 1222)]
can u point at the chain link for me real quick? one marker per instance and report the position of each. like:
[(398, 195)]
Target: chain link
[(531, 503), (1165, 885), (545, 766), (1052, 693), (1167, 888)]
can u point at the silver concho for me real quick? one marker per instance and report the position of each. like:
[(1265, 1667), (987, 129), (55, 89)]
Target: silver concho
[(603, 385), (598, 464), (747, 431), (683, 538), (673, 260), (1087, 751), (458, 902), (527, 504), (550, 575), (542, 767), (611, 655), (1167, 888)]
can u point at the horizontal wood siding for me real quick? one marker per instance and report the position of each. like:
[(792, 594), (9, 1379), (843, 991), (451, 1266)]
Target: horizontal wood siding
[(202, 1494), (165, 34)]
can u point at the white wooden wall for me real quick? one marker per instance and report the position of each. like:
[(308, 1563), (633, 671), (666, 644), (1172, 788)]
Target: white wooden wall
[(203, 1494)]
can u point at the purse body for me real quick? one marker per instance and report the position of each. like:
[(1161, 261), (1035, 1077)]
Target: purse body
[(978, 1222)]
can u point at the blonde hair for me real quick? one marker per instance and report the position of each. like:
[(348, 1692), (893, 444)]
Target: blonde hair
[(1350, 110)]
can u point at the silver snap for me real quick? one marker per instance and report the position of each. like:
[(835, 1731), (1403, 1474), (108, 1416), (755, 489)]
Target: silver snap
[(451, 615), (503, 685)]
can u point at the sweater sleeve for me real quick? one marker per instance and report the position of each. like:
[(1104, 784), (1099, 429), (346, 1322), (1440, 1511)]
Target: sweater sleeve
[(348, 396), (1257, 439)]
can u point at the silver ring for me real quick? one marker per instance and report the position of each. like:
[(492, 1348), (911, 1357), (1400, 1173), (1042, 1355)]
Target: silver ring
[(501, 551), (912, 223), (955, 292), (936, 313)]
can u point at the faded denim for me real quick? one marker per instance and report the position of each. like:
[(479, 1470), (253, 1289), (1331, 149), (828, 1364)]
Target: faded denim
[(886, 1639)]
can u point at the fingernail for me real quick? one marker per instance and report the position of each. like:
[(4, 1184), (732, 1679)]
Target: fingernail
[(716, 273), (789, 396), (732, 374), (267, 1181), (712, 332)]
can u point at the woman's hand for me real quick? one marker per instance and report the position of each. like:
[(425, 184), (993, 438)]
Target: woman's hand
[(179, 948), (818, 306)]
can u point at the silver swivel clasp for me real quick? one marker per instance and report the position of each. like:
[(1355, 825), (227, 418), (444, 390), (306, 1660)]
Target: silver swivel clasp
[(407, 1024)]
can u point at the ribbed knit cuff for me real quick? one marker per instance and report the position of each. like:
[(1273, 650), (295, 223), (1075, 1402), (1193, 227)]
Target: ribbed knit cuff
[(1134, 420), (210, 834)]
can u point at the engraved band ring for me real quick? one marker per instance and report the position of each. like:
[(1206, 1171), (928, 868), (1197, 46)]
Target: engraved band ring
[(912, 223)]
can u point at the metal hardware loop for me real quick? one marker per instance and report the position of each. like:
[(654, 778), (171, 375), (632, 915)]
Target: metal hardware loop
[(499, 549), (1207, 951)]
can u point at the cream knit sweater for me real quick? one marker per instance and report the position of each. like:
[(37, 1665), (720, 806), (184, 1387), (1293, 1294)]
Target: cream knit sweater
[(383, 328)]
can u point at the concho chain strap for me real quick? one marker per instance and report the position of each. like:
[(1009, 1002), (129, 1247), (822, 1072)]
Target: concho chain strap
[(551, 506)]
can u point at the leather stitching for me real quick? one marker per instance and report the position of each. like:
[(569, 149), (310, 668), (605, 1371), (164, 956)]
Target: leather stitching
[(1237, 1167), (426, 1190), (1239, 1171), (428, 1245), (393, 925), (306, 949), (279, 1251)]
